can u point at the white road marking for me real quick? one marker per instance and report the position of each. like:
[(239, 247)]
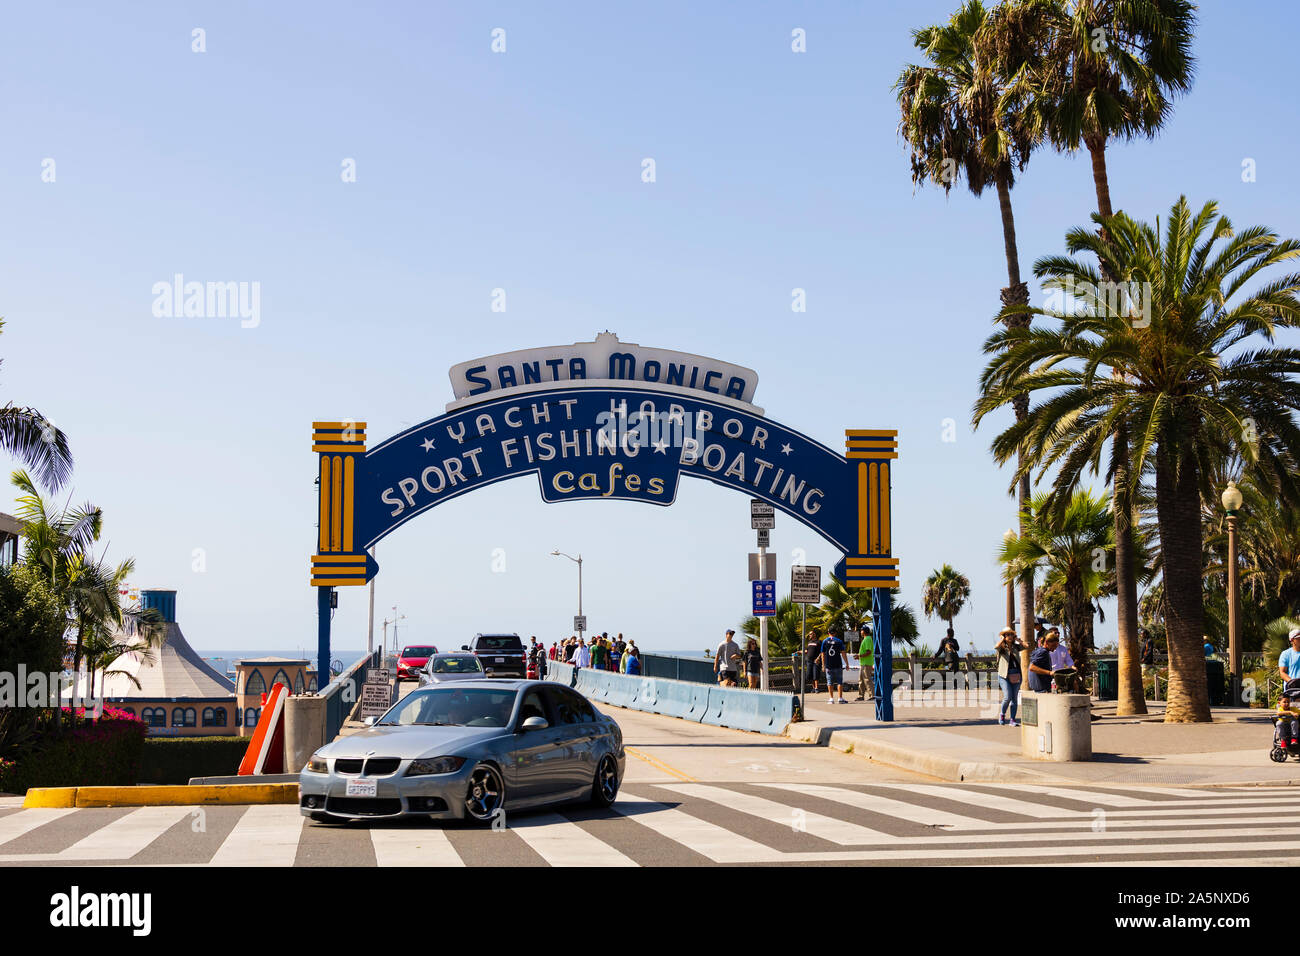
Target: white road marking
[(14, 825), (266, 835), (400, 846), (561, 842), (797, 818)]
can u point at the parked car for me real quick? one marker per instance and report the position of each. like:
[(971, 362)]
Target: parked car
[(468, 750), (502, 655), (412, 660), (448, 668)]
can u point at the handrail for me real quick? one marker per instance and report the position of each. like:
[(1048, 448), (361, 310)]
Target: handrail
[(338, 705)]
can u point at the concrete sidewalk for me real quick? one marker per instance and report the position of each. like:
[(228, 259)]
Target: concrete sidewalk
[(957, 738)]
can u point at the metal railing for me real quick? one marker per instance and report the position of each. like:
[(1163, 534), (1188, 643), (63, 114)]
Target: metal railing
[(343, 693)]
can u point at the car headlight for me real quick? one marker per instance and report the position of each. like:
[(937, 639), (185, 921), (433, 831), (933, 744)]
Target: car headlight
[(317, 764), (420, 768)]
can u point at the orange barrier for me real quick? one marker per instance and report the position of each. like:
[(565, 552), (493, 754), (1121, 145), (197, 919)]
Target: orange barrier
[(266, 752)]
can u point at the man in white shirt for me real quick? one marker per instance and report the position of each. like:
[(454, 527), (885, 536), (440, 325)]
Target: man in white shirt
[(1061, 656), (582, 656)]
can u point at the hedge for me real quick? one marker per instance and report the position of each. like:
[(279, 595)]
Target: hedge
[(177, 759), (105, 752)]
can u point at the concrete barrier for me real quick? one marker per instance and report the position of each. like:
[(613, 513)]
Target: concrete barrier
[(764, 713), (742, 709)]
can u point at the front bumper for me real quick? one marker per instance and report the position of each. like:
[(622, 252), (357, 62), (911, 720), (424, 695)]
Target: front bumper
[(430, 796)]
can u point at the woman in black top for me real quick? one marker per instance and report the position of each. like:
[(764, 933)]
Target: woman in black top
[(753, 663)]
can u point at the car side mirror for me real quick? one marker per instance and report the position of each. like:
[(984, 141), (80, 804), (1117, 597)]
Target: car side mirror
[(464, 647), (535, 723), (370, 721)]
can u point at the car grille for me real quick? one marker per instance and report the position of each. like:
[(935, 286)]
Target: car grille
[(364, 806), (373, 767)]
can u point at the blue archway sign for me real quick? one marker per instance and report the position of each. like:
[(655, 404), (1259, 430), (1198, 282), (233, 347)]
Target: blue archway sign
[(612, 421)]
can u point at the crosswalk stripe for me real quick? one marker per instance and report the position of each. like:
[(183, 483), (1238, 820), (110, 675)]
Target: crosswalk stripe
[(1090, 796), (265, 835), (814, 824), (126, 836), (914, 812), (14, 825), (561, 842), (719, 845), (988, 801), (399, 846)]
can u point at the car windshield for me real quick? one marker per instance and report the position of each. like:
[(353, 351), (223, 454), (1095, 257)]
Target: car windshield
[(456, 665), (510, 643), (419, 651), (452, 706)]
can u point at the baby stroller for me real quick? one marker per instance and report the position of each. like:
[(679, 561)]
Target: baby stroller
[(1285, 726)]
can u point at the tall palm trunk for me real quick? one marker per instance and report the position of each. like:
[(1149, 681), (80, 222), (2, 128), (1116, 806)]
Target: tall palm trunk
[(1016, 293), (1132, 699), (1178, 511), (1078, 609)]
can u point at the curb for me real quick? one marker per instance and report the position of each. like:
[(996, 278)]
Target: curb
[(934, 765), (243, 794)]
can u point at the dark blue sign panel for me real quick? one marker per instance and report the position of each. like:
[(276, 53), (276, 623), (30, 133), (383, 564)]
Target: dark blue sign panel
[(764, 598), (624, 444)]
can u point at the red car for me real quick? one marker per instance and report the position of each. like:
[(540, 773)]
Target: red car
[(412, 660)]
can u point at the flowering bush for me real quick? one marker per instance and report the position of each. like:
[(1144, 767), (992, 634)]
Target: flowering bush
[(79, 753)]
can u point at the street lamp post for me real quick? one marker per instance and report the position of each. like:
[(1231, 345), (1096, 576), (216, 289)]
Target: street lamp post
[(578, 561), (1232, 504)]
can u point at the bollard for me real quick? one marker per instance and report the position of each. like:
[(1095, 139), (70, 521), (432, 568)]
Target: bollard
[(304, 730)]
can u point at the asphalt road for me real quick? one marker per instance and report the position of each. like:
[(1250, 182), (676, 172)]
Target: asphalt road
[(696, 795)]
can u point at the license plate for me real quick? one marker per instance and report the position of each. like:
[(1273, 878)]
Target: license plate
[(363, 788), (501, 660)]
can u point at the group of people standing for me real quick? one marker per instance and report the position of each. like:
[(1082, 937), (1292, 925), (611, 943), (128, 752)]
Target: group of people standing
[(602, 653), (729, 659), (826, 658), (1047, 657)]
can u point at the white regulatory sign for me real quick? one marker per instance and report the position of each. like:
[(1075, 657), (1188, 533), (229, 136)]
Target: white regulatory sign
[(378, 675), (580, 622), (375, 700), (806, 584)]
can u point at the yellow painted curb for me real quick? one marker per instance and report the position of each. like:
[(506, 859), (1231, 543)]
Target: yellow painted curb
[(60, 797), (163, 796)]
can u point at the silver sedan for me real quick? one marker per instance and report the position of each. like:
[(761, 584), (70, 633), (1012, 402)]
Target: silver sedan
[(450, 668), (469, 750)]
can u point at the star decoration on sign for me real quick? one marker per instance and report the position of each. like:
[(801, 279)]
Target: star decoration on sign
[(786, 449), (427, 444), (660, 447)]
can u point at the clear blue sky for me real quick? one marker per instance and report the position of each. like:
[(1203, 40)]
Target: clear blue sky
[(521, 171)]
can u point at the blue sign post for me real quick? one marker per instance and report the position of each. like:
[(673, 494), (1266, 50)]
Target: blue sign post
[(625, 433)]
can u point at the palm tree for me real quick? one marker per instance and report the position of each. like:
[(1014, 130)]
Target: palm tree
[(945, 594), (849, 611), (1087, 72), (1196, 378), (31, 438), (963, 114), (59, 543), (1072, 547), (783, 632)]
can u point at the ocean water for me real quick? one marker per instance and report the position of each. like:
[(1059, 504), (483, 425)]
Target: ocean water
[(223, 662)]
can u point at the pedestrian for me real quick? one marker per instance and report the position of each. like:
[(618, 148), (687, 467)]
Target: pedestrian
[(812, 654), (866, 666), (599, 654), (1009, 676), (726, 660), (631, 663), (581, 655), (1148, 653), (553, 651), (832, 662), (950, 652), (1040, 665), (1288, 662), (753, 663)]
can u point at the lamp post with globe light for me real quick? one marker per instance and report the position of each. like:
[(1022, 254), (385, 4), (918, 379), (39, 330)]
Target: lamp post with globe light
[(1232, 504)]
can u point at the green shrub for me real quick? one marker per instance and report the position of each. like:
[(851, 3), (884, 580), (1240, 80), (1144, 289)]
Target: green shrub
[(105, 752), (177, 759)]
